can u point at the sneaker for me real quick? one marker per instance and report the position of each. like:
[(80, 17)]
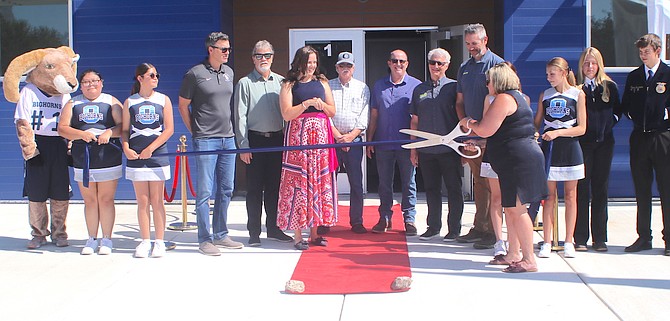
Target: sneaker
[(208, 248), (568, 250), (159, 249), (255, 241), (381, 226), (90, 247), (429, 234), (359, 229), (36, 242), (61, 243), (278, 236), (450, 237), (500, 248), (487, 241), (142, 250), (410, 229), (545, 250), (471, 237), (105, 247), (228, 243)]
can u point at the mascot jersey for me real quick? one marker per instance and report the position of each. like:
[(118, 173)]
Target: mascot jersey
[(96, 117), (146, 124), (40, 110)]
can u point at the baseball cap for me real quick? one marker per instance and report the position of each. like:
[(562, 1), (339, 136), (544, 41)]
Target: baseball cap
[(345, 57)]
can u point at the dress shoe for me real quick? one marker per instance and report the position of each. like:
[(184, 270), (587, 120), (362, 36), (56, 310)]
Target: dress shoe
[(581, 247), (410, 229), (639, 245), (359, 229), (381, 226), (599, 246)]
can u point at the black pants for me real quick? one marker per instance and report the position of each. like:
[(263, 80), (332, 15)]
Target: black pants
[(263, 176), (435, 168), (593, 187), (649, 154)]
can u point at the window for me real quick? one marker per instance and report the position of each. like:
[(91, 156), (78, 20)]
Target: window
[(615, 26), (26, 25)]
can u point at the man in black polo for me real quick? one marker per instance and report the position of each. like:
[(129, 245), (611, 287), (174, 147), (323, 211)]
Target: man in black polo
[(433, 110), (646, 101)]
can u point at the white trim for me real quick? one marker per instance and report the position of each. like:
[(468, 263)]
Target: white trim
[(620, 69)]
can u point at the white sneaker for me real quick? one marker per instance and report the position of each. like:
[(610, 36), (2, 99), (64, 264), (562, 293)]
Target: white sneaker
[(142, 250), (500, 248), (545, 250), (105, 247), (568, 250), (90, 247), (159, 249)]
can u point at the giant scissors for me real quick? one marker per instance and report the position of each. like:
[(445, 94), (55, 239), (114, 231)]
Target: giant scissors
[(447, 140)]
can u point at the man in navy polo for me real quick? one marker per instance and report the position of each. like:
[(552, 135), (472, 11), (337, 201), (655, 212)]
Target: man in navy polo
[(390, 100), (470, 103)]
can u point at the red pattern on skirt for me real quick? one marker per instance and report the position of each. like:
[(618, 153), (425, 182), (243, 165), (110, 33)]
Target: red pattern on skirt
[(307, 192)]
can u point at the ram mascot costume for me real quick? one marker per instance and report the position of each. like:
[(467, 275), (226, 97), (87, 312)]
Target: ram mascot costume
[(51, 77)]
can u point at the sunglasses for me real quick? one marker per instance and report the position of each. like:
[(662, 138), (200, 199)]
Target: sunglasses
[(154, 76), (435, 62), (345, 65), (223, 49), (396, 61), (260, 56)]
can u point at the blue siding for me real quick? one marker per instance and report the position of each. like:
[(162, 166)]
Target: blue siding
[(114, 37), (536, 31)]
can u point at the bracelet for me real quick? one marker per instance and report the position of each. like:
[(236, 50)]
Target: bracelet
[(467, 124)]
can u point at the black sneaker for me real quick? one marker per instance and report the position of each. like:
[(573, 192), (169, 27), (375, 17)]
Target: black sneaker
[(254, 241), (280, 236), (450, 237), (323, 230), (429, 234), (359, 229), (410, 229), (487, 241), (381, 226), (471, 237)]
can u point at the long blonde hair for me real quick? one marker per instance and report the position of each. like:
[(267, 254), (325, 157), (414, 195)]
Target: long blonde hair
[(601, 77), (562, 64)]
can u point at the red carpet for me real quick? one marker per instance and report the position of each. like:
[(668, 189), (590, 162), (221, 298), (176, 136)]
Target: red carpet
[(355, 263)]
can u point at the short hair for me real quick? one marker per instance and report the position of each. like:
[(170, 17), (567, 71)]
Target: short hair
[(90, 71), (476, 28), (440, 53), (262, 44), (649, 39), (503, 78), (214, 37)]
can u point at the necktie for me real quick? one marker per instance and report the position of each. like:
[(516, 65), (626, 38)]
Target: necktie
[(650, 75)]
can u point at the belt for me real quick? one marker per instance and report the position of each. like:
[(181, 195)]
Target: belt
[(654, 130), (266, 134)]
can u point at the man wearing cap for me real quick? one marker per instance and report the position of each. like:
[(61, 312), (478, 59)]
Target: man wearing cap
[(390, 99), (259, 125), (352, 98)]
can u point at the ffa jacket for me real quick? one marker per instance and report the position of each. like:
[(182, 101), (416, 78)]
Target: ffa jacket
[(647, 103)]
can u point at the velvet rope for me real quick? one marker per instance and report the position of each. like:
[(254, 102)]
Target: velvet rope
[(170, 197)]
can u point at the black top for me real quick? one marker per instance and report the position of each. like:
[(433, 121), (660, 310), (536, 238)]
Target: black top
[(647, 104), (435, 105), (601, 116)]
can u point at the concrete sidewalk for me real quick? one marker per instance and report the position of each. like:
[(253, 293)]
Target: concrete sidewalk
[(451, 281)]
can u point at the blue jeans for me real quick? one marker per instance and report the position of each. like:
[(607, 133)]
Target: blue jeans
[(224, 167), (351, 161), (386, 160)]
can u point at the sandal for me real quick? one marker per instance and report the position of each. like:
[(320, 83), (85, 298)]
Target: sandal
[(319, 241), (499, 260), (518, 268), (302, 245)]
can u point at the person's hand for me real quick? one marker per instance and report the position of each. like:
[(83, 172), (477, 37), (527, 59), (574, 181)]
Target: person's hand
[(88, 137), (246, 158), (104, 137), (346, 138), (369, 150), (146, 153), (550, 135), (414, 157), (470, 145), (318, 103), (130, 153), (465, 123)]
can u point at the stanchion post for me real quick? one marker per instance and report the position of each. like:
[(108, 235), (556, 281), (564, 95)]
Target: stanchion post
[(184, 224), (555, 244)]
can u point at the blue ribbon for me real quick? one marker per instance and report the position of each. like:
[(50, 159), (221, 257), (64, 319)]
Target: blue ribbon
[(87, 162)]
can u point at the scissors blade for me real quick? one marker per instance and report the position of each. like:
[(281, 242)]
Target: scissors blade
[(423, 143), (421, 134)]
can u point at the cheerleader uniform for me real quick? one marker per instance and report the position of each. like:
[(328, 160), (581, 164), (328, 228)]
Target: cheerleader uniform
[(560, 111), (105, 159), (146, 124)]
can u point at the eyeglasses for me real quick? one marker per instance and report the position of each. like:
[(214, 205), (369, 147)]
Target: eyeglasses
[(396, 61), (435, 62), (93, 82), (345, 65), (223, 49), (260, 56), (154, 76)]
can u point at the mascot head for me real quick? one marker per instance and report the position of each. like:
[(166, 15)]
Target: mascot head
[(52, 70)]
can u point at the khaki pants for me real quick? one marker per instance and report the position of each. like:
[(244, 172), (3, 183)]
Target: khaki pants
[(39, 219), (482, 195)]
